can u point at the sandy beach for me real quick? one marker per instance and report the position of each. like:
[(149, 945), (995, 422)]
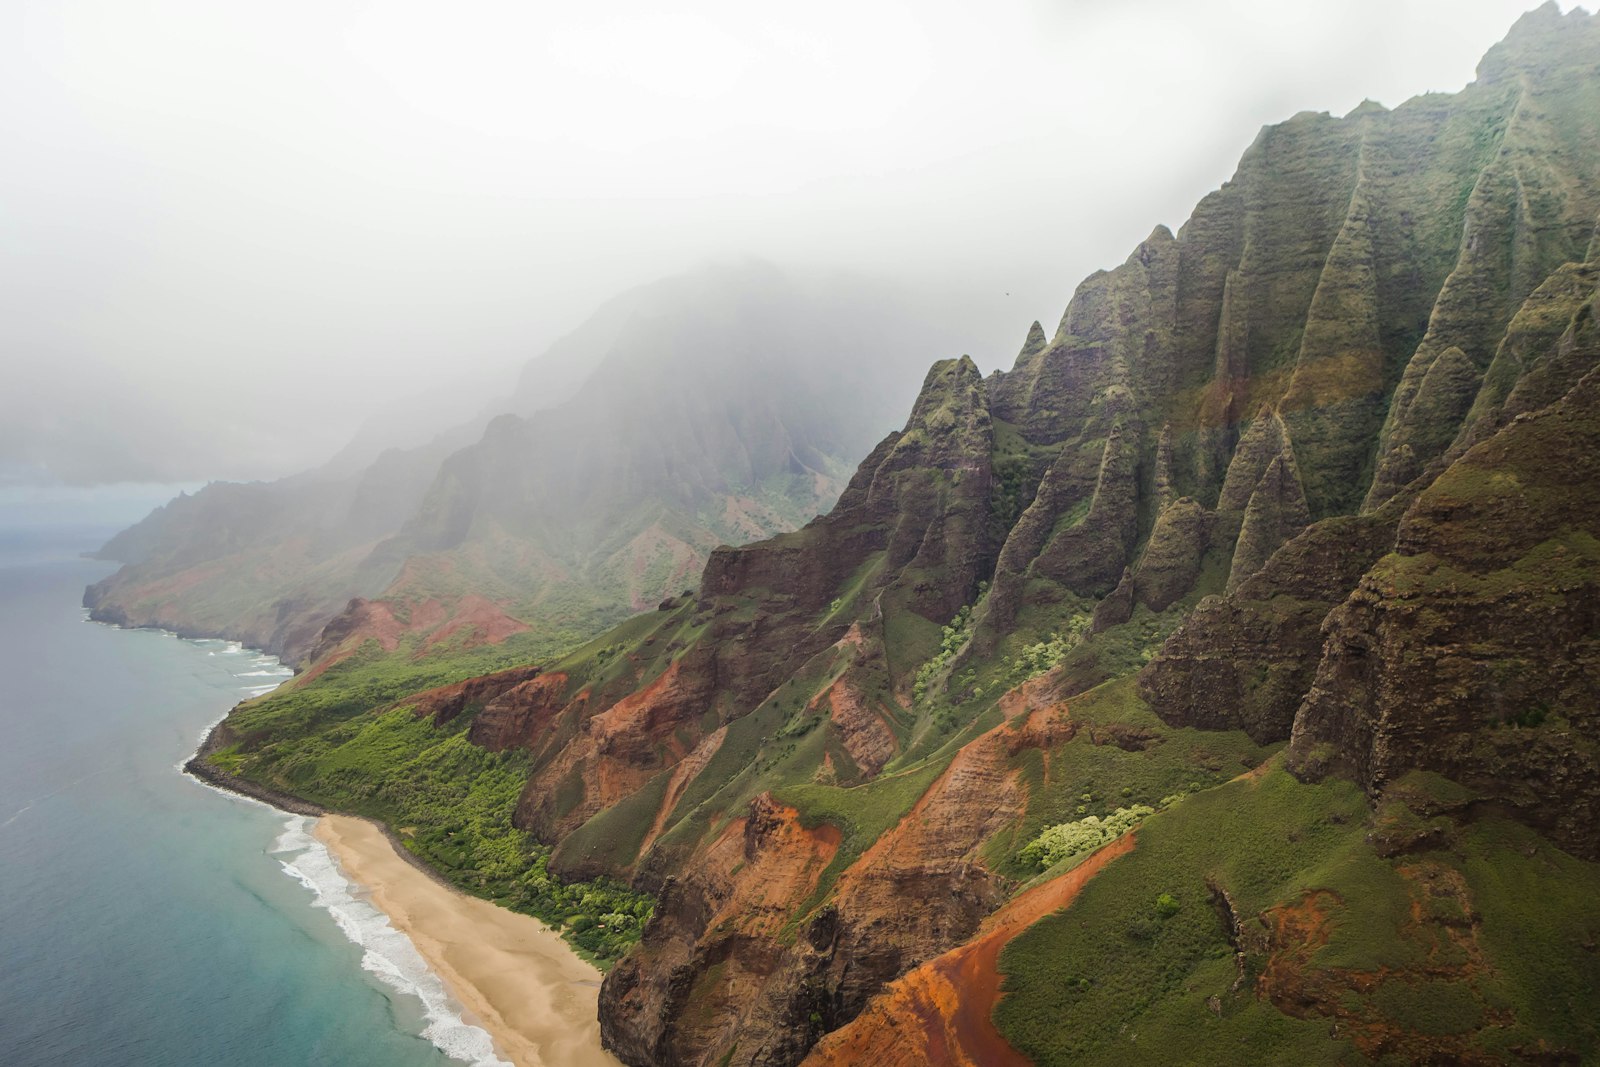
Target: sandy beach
[(516, 976)]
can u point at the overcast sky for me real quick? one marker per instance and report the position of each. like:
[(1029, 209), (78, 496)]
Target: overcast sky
[(230, 232)]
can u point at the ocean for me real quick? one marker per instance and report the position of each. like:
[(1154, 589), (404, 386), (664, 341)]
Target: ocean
[(147, 919)]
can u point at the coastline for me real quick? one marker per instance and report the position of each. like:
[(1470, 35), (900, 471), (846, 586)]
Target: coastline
[(197, 767), (522, 983)]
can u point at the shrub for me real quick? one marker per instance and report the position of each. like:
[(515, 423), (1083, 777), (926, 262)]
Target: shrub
[(1059, 842), (951, 638)]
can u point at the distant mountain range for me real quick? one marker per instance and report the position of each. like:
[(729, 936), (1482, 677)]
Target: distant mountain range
[(712, 408)]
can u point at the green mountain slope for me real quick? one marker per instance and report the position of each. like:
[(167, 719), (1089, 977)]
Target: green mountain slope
[(1280, 548)]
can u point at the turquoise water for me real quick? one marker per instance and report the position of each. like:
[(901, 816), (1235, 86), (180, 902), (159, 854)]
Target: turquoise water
[(144, 918)]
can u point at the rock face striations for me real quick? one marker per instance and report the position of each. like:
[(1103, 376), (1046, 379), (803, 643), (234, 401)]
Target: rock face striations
[(1303, 407), (1473, 649), (1315, 474)]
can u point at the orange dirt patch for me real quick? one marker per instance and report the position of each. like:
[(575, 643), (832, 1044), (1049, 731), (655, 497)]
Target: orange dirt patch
[(770, 862), (445, 702), (687, 770), (467, 622), (476, 621), (862, 731), (1297, 986), (175, 585), (853, 638), (621, 748), (642, 715), (942, 1012), (1034, 694)]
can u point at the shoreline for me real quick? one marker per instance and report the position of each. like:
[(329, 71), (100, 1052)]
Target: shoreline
[(197, 767), (519, 979)]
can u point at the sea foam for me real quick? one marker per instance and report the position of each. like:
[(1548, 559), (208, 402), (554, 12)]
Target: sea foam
[(387, 952)]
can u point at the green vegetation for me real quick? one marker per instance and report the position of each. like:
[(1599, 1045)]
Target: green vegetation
[(862, 814), (1120, 757), (1018, 465), (370, 678), (1467, 945), (1068, 839), (951, 638), (1124, 972), (1035, 659), (340, 741), (1535, 903)]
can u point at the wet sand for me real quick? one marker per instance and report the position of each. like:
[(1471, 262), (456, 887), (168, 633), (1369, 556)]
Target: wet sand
[(517, 978)]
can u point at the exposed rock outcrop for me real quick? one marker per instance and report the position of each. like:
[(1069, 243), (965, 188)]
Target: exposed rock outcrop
[(1173, 555), (1473, 649), (718, 407), (1266, 340), (1245, 660), (1276, 512)]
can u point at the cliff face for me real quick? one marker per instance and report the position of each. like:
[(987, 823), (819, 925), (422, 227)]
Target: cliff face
[(1473, 649), (1252, 409), (1466, 520), (1316, 471), (266, 564), (908, 537)]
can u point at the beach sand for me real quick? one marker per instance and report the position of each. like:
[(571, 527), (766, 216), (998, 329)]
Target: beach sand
[(523, 983)]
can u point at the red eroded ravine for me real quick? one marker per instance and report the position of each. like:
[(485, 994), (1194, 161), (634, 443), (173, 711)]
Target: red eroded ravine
[(941, 1013)]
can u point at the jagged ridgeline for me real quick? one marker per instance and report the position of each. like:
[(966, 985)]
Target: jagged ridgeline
[(1284, 548)]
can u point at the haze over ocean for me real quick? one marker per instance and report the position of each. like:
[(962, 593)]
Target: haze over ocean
[(145, 918)]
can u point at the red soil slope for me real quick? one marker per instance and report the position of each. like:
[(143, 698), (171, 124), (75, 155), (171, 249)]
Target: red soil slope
[(941, 1013)]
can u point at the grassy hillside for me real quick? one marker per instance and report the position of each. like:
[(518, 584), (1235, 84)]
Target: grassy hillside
[(1457, 951), (349, 741)]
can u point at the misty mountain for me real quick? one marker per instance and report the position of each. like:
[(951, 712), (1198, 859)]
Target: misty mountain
[(715, 407), (1218, 684)]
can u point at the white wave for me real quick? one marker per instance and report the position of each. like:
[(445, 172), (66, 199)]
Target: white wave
[(19, 813), (182, 767), (262, 659), (387, 953), (296, 836), (263, 674)]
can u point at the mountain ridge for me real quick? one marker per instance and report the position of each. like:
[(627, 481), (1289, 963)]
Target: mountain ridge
[(1275, 542), (671, 424)]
